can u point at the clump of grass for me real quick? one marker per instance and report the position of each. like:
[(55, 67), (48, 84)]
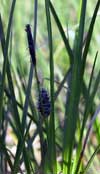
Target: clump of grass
[(24, 114)]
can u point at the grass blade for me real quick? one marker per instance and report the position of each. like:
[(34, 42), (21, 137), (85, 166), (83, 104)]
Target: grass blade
[(80, 32), (68, 73), (19, 146), (91, 159), (71, 111), (89, 36), (86, 138), (92, 73), (4, 150), (87, 111), (5, 57), (13, 98), (51, 143), (67, 46), (30, 74)]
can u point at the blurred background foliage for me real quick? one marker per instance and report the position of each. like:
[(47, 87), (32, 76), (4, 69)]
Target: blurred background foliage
[(19, 57)]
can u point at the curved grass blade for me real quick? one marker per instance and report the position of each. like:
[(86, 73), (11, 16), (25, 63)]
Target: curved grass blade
[(67, 46)]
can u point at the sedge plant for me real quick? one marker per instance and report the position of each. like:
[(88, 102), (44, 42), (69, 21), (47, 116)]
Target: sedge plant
[(21, 114)]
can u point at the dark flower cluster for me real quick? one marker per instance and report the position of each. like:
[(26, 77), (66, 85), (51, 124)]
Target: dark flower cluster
[(44, 105)]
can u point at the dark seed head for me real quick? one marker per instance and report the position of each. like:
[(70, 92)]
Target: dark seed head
[(27, 27), (31, 44), (44, 105)]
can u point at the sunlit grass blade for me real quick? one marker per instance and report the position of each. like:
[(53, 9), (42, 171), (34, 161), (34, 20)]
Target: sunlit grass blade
[(51, 143), (97, 128), (66, 42), (91, 159)]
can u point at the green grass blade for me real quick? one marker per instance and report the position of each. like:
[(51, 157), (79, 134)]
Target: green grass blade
[(65, 77), (51, 143), (87, 111), (20, 149), (86, 138), (91, 159), (90, 101), (25, 110), (5, 57), (62, 84), (32, 116), (87, 103), (89, 36), (65, 40), (72, 105), (80, 32), (92, 73), (10, 83)]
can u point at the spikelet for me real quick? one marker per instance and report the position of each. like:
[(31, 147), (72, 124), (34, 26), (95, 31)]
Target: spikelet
[(30, 44), (44, 105)]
